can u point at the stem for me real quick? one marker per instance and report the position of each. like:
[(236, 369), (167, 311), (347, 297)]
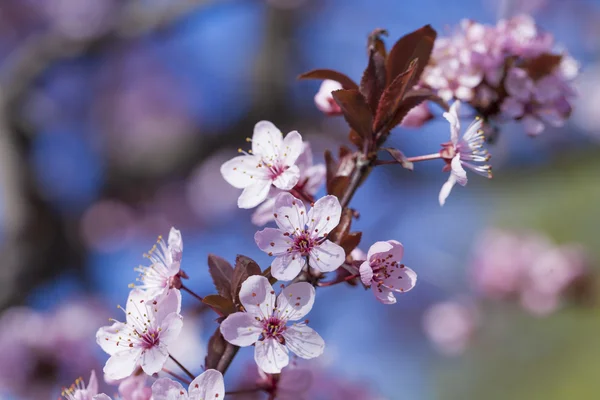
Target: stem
[(427, 157), (176, 376), (183, 287), (243, 391), (302, 195), (184, 369), (227, 358), (331, 283), (362, 168)]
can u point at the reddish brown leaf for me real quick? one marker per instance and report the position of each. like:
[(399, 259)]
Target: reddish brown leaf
[(373, 81), (355, 139), (356, 111), (339, 185), (244, 268), (542, 65), (222, 273), (216, 348), (392, 98), (223, 305), (400, 157), (343, 227), (323, 74), (331, 167), (375, 43), (267, 274), (417, 44), (411, 101), (351, 241)]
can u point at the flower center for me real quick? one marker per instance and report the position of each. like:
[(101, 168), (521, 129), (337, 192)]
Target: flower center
[(149, 339), (273, 328), (303, 244), (382, 268)]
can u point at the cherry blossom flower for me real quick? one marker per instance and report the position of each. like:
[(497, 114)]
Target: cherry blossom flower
[(207, 386), (134, 387), (311, 179), (324, 100), (264, 323), (385, 274), (301, 236), (450, 326), (79, 391), (164, 271), (463, 152), (272, 161), (143, 340)]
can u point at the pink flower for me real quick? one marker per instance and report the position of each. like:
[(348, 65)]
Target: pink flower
[(384, 273), (292, 384), (311, 179), (208, 385), (463, 152), (264, 323), (417, 116), (79, 391), (143, 340), (134, 387), (324, 100), (270, 162), (302, 236), (450, 326), (163, 272)]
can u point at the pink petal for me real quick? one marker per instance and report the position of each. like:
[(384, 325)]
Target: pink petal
[(171, 328), (101, 396), (294, 381), (122, 364), (327, 256), (291, 214), (288, 178), (400, 279), (366, 273), (266, 140), (168, 303), (315, 176), (257, 296), (241, 329), (458, 171), (378, 248), (305, 159), (92, 386), (136, 306), (242, 171), (324, 216), (446, 189), (287, 267), (168, 389), (295, 301), (292, 148), (264, 212), (254, 194), (533, 126), (208, 385), (453, 119), (397, 250), (383, 294), (271, 356), (273, 242), (303, 341), (111, 333), (512, 108), (175, 243), (153, 359)]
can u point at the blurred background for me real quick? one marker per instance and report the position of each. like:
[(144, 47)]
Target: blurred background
[(115, 116)]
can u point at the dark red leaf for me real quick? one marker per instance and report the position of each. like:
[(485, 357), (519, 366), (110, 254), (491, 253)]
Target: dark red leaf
[(331, 167), (351, 241), (339, 184), (343, 227), (244, 268), (417, 44), (217, 302), (392, 98), (542, 65), (355, 139), (222, 273), (412, 99), (323, 74), (216, 348), (373, 81), (400, 157), (356, 111), (375, 43), (267, 274)]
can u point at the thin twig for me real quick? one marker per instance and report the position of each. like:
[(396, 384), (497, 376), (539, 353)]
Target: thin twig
[(184, 369)]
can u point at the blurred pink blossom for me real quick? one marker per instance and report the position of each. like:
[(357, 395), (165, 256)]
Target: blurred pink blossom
[(450, 325), (417, 116), (324, 100)]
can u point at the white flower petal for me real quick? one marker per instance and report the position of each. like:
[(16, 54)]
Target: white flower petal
[(168, 389), (92, 386), (241, 329), (288, 178), (107, 337), (287, 267), (266, 140), (292, 148), (303, 341), (254, 194), (366, 273), (383, 294), (400, 279), (378, 248), (101, 396), (171, 328), (175, 243), (327, 256), (272, 241), (153, 359), (271, 356), (209, 385), (290, 213), (454, 120), (168, 303), (446, 189), (122, 364), (257, 296), (295, 301), (242, 171), (324, 216), (458, 171), (264, 212)]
